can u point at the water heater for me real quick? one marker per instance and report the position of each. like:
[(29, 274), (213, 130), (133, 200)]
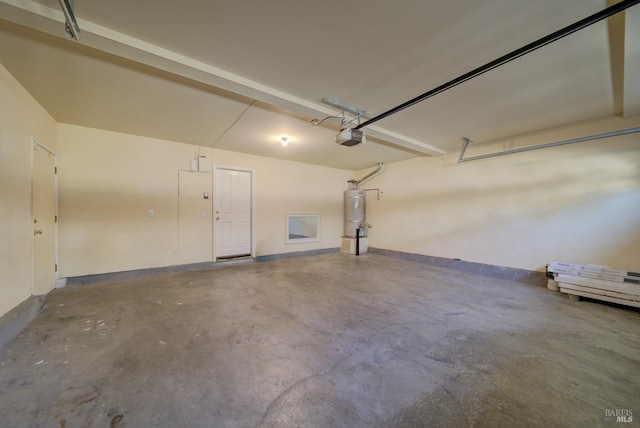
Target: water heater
[(354, 211)]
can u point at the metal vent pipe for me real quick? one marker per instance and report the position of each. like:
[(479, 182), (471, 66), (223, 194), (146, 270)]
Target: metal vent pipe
[(356, 183)]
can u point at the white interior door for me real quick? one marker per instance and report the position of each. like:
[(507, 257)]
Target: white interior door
[(233, 212), (44, 220)]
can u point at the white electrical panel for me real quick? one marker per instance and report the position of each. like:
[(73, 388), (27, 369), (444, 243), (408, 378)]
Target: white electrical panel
[(204, 165)]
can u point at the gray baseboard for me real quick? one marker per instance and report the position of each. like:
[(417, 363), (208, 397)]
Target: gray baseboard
[(89, 279), (99, 277), (296, 254), (521, 275), (14, 321)]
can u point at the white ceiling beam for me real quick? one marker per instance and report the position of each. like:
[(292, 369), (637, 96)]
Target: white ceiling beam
[(615, 26), (42, 18), (632, 63), (624, 50)]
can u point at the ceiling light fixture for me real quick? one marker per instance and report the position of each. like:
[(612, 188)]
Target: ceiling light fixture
[(284, 141)]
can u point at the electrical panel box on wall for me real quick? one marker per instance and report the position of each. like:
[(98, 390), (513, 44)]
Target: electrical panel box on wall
[(204, 165)]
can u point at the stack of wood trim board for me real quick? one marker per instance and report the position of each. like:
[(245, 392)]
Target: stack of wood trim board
[(598, 282)]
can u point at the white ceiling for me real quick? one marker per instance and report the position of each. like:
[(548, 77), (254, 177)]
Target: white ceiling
[(238, 75)]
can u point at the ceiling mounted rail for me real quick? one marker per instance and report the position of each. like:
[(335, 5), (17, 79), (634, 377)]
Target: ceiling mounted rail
[(71, 28), (467, 141), (570, 29), (359, 114)]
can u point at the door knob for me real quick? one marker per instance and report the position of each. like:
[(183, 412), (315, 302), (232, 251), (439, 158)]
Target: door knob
[(37, 232)]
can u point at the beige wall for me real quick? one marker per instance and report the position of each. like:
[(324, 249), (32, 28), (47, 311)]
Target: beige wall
[(576, 203), (21, 119), (108, 181), (579, 203)]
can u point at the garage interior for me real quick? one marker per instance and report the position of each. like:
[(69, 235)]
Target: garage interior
[(176, 242)]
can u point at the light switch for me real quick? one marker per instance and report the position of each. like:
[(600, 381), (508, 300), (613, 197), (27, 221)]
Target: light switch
[(203, 213), (150, 213)]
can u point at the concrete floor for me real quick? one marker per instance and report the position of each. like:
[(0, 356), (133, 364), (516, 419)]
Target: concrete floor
[(324, 341)]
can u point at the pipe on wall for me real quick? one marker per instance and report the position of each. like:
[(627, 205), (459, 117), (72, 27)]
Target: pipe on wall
[(356, 183), (466, 142)]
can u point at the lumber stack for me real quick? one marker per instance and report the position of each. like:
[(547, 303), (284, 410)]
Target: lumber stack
[(598, 282)]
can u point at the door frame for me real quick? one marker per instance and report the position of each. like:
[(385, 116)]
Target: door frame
[(35, 142), (251, 171)]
